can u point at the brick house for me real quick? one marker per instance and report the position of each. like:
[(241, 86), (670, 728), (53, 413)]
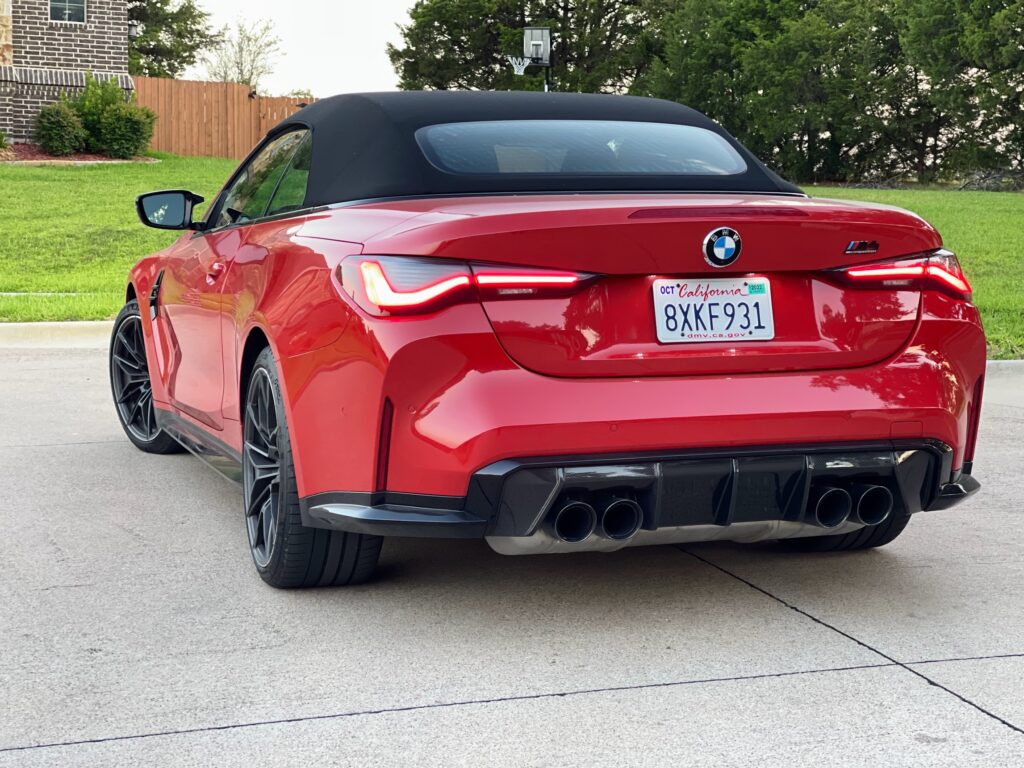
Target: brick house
[(48, 46)]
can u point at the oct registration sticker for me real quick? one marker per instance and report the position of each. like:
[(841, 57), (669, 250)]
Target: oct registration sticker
[(738, 309)]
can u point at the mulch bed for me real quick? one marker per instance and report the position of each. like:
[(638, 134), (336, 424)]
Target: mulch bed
[(32, 153)]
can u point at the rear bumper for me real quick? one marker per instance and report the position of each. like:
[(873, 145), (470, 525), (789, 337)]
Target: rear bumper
[(716, 490), (420, 408), (956, 490)]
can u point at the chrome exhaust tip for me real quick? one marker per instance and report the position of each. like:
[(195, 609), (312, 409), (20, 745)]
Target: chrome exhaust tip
[(872, 504), (574, 522), (621, 519), (829, 507)]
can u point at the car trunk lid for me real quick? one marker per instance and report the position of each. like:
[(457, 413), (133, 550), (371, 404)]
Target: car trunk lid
[(637, 244)]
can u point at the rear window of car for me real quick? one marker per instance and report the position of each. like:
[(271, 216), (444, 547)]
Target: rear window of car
[(577, 148)]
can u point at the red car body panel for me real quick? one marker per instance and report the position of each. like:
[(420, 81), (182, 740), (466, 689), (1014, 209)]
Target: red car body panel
[(474, 383)]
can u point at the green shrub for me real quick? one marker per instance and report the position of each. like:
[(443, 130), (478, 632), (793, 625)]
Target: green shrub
[(59, 130), (124, 130), (95, 99), (4, 142), (114, 125)]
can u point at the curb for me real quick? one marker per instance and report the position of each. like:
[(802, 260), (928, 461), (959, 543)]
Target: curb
[(75, 163), (76, 335), (1005, 367)]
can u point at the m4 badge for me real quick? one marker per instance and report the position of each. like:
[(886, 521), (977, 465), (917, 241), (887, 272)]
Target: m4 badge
[(862, 246)]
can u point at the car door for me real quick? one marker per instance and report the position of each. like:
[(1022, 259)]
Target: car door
[(191, 291)]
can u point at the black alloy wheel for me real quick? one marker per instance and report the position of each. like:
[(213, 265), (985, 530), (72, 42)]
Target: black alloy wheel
[(131, 385), (288, 554), (261, 468)]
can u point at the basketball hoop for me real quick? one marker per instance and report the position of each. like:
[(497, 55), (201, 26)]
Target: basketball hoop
[(519, 64)]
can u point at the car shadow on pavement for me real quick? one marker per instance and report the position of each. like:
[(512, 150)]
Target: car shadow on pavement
[(654, 578)]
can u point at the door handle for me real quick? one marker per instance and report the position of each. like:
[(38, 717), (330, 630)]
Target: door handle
[(214, 271)]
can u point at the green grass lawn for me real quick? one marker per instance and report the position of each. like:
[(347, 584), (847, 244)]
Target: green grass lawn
[(73, 231), (986, 229)]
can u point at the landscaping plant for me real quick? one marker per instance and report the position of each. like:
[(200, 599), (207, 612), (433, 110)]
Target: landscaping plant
[(59, 129), (115, 126), (101, 120), (124, 130), (96, 97)]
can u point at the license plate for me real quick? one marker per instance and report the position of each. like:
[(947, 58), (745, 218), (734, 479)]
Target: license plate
[(737, 309)]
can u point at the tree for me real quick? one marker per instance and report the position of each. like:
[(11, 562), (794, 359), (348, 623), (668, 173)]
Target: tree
[(824, 90), (246, 54), (301, 93), (971, 52), (598, 45), (992, 43), (172, 34)]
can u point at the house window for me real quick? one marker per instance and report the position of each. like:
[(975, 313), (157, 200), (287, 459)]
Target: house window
[(67, 10)]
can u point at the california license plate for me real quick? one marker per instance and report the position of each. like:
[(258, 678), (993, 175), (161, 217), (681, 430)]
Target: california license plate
[(735, 309)]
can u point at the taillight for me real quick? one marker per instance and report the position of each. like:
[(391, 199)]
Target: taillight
[(390, 285), (511, 282), (939, 270), (382, 294)]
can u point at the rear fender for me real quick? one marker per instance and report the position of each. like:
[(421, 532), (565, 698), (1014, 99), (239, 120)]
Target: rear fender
[(286, 286)]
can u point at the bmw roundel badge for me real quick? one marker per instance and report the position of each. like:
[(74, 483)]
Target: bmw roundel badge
[(722, 247)]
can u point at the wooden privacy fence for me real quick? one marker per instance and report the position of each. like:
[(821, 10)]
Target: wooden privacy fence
[(209, 119)]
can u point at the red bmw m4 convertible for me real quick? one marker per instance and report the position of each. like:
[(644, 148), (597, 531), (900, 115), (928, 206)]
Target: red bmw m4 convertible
[(557, 322)]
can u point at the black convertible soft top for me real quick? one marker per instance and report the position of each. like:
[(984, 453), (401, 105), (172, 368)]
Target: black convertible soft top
[(365, 147)]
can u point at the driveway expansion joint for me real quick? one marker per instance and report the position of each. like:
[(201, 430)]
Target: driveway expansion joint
[(440, 705), (61, 445), (892, 661), (968, 658)]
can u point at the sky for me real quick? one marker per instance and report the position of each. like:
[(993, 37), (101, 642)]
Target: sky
[(330, 46)]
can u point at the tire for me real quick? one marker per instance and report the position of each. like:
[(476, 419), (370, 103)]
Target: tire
[(131, 387), (867, 537), (286, 553)]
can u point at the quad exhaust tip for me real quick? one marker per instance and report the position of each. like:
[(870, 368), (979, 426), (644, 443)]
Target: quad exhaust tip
[(830, 507), (864, 504), (573, 522), (621, 519), (872, 504)]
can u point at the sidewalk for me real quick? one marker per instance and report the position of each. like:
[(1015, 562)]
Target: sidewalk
[(1004, 383)]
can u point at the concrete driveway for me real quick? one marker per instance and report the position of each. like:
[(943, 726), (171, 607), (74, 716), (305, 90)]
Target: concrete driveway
[(134, 630)]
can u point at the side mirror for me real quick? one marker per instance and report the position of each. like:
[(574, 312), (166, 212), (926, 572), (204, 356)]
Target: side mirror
[(170, 209)]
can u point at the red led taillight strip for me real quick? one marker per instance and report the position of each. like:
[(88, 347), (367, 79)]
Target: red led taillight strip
[(375, 287), (524, 280), (381, 293), (909, 273), (939, 270)]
